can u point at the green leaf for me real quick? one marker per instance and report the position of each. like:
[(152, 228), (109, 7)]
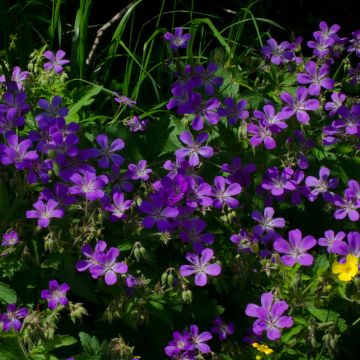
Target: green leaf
[(10, 348), (7, 295), (90, 344), (60, 341), (288, 335)]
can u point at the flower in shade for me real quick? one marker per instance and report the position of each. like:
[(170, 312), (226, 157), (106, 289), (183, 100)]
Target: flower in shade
[(321, 185), (56, 295), (262, 133), (316, 79), (355, 43), (222, 329), (277, 53), (44, 212), (178, 40), (234, 111), (181, 342), (348, 270), (200, 266), (269, 316), (108, 151), (10, 238), (118, 207), (295, 249), (330, 238), (108, 266), (135, 124), (88, 185), (124, 100), (199, 340), (207, 78), (139, 171), (299, 104), (266, 221), (11, 319), (194, 148), (56, 61), (334, 105), (243, 240), (224, 194)]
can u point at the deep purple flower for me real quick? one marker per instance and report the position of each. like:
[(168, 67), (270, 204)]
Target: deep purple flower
[(355, 43), (194, 148), (108, 266), (334, 105), (124, 100), (200, 267), (224, 194), (316, 78), (222, 329), (325, 32), (44, 212), (200, 194), (52, 110), (60, 194), (207, 78), (266, 221), (56, 295), (330, 238), (350, 119), (352, 246), (10, 238), (299, 105), (269, 316), (206, 111), (10, 320), (158, 212), (295, 249), (135, 124), (108, 151), (354, 74), (118, 207), (184, 100), (261, 133), (88, 185), (199, 340), (243, 240), (321, 45), (234, 111), (239, 173), (277, 53), (178, 40), (277, 182), (55, 62), (321, 185)]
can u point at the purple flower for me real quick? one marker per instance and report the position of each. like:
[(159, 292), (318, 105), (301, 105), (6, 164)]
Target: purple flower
[(351, 247), (83, 265), (269, 316), (10, 320), (181, 342), (139, 171), (17, 77), (56, 295), (330, 239), (234, 111), (157, 212), (347, 206), (295, 249), (269, 118), (119, 206), (277, 182), (135, 124), (334, 105), (184, 99), (207, 78), (199, 340), (261, 133), (222, 329), (355, 43), (266, 222), (277, 53), (44, 212), (350, 119), (321, 185), (178, 40), (299, 105), (108, 152), (124, 100), (200, 267), (10, 238), (239, 172), (55, 61), (224, 195), (88, 185), (194, 148), (52, 110), (316, 78), (243, 240), (354, 74), (107, 266), (206, 111)]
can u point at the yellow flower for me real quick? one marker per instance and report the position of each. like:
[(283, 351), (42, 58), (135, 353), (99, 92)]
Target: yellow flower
[(262, 348), (348, 270)]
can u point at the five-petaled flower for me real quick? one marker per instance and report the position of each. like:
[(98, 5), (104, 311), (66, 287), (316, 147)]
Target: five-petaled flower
[(348, 270), (56, 296), (56, 61)]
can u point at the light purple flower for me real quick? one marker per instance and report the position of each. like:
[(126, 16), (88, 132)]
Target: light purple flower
[(10, 238), (56, 296), (139, 171), (123, 100), (334, 105), (295, 249), (135, 124), (17, 77), (269, 316), (56, 61), (199, 340), (118, 207), (350, 119), (321, 185), (178, 40), (10, 320), (88, 185), (266, 221), (347, 206), (194, 148), (243, 240), (200, 267), (261, 133), (44, 212), (224, 194), (83, 265), (330, 239), (352, 246), (269, 118), (299, 105)]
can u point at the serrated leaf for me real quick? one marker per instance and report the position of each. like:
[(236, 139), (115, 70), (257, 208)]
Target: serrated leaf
[(90, 344)]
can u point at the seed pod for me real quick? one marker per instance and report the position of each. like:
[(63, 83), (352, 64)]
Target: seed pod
[(164, 277)]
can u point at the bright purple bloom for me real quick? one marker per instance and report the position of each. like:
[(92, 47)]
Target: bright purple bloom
[(83, 265), (352, 246), (268, 118), (266, 221), (88, 185), (224, 194), (55, 62), (321, 185), (122, 99), (316, 78), (139, 171), (330, 239), (108, 151), (10, 320), (234, 111), (108, 266), (206, 111), (200, 267), (18, 77), (118, 207), (199, 340), (181, 342), (178, 40), (158, 212), (299, 105), (56, 295), (295, 249), (10, 238), (194, 148), (277, 53), (355, 43), (349, 203), (243, 240), (44, 212), (277, 182), (334, 105), (261, 134), (325, 32), (269, 316), (350, 119), (222, 329)]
